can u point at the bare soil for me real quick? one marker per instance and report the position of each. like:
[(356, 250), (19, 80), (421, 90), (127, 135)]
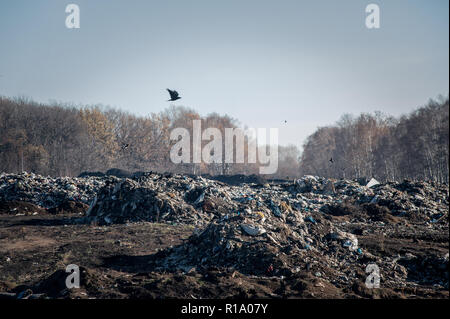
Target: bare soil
[(117, 261)]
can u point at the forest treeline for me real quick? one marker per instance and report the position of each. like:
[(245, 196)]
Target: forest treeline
[(414, 146), (63, 140)]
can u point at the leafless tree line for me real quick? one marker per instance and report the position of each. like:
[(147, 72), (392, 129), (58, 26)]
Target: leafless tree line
[(415, 146), (65, 140)]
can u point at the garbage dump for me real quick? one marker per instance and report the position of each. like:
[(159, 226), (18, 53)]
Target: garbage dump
[(329, 228), (279, 229), (50, 193), (152, 200), (285, 229), (195, 199)]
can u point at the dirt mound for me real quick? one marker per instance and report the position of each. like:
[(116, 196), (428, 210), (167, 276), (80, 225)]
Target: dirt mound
[(71, 207), (91, 174), (20, 208), (362, 212), (238, 179), (427, 270), (117, 172)]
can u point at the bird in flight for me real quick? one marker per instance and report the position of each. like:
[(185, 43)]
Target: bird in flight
[(173, 95), (331, 160)]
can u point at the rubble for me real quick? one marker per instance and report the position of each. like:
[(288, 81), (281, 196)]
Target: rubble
[(146, 200), (196, 197), (48, 192), (321, 226), (285, 228)]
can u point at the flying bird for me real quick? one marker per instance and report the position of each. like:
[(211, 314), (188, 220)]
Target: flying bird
[(331, 160), (173, 95)]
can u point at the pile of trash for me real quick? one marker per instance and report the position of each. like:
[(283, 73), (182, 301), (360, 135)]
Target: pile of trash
[(197, 200), (238, 179), (282, 230), (169, 198), (419, 200), (257, 241), (263, 228), (426, 200), (277, 229), (48, 192), (151, 199)]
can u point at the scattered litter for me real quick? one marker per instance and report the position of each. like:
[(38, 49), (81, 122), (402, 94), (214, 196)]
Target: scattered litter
[(372, 182), (312, 223), (311, 219), (253, 230)]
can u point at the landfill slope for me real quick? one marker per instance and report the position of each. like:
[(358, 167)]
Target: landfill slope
[(309, 238)]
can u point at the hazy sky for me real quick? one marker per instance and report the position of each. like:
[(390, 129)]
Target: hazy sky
[(262, 62)]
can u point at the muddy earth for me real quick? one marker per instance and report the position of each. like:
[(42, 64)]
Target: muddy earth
[(173, 236)]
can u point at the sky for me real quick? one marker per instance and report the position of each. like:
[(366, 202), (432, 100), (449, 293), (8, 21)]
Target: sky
[(261, 62)]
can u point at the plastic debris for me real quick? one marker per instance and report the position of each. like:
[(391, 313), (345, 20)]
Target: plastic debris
[(372, 182), (253, 230), (311, 219)]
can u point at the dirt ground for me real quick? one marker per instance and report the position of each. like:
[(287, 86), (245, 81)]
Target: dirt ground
[(117, 261)]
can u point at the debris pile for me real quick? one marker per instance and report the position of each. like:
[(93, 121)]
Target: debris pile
[(197, 200), (168, 198), (131, 201), (289, 228), (267, 244), (238, 179), (48, 192), (329, 228)]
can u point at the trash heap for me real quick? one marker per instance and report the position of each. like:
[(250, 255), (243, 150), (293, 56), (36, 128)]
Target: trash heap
[(256, 241), (151, 199), (197, 200), (283, 229), (168, 198), (48, 192), (292, 243), (417, 200), (427, 201), (272, 229)]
